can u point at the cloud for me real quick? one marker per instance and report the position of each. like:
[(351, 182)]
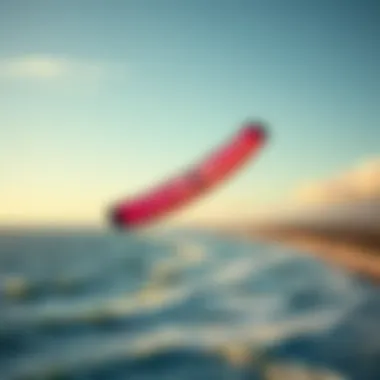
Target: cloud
[(47, 67), (34, 67), (362, 182)]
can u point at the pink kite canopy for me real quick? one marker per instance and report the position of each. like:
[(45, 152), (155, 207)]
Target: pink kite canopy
[(181, 190)]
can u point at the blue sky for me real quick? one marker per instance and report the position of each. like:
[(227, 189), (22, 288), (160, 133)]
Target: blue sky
[(99, 99)]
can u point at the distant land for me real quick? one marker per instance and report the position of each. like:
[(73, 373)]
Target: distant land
[(347, 234)]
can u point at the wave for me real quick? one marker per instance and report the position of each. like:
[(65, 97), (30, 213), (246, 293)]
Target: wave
[(209, 303)]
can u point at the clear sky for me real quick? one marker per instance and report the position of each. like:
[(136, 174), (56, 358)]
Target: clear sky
[(99, 99)]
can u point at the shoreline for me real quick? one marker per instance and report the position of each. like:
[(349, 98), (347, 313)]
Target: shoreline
[(352, 249)]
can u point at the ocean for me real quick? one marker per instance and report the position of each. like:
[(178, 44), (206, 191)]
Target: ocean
[(77, 304)]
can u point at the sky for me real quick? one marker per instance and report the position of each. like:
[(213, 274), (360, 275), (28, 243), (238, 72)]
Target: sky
[(101, 99)]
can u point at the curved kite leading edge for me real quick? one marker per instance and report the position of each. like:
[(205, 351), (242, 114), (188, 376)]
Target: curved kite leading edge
[(179, 191)]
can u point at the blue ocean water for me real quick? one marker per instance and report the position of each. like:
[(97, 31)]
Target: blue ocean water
[(179, 305)]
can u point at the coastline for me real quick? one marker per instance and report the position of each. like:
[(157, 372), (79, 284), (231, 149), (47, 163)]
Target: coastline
[(351, 248)]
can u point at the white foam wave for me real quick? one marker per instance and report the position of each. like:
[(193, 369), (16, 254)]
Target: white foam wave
[(86, 352)]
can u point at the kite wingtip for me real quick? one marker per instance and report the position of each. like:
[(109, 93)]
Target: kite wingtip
[(256, 129), (116, 219)]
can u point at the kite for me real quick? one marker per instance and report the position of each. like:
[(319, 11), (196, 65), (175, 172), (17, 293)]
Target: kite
[(188, 186)]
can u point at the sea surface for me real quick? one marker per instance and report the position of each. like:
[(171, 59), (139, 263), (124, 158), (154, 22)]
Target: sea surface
[(179, 305)]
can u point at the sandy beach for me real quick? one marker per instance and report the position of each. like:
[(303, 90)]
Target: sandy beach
[(352, 248)]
